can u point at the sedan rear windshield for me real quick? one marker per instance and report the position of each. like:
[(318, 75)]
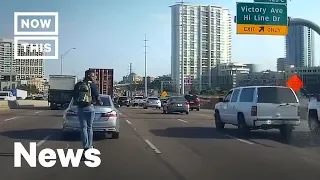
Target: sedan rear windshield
[(123, 98), (105, 101), (178, 99), (276, 95), (191, 97), (153, 99)]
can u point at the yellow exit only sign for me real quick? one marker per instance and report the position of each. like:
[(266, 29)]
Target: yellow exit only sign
[(275, 30)]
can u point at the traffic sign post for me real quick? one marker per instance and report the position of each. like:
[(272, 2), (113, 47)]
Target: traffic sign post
[(271, 1), (262, 19)]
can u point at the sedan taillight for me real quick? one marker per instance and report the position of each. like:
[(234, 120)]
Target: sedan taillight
[(110, 114), (71, 113)]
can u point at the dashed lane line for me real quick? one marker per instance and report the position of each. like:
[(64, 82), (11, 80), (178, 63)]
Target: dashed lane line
[(43, 140), (241, 140), (182, 120), (128, 121), (9, 119), (153, 147)]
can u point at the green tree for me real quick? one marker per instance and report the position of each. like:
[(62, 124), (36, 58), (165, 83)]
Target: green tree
[(32, 89)]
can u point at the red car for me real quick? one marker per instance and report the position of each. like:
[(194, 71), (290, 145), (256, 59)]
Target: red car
[(194, 101)]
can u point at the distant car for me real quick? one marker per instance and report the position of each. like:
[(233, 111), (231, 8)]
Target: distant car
[(176, 104), (137, 101), (7, 96), (152, 102), (194, 101), (106, 118), (122, 100)]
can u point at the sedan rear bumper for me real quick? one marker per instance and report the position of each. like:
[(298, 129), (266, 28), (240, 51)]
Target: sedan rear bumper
[(104, 126), (95, 129)]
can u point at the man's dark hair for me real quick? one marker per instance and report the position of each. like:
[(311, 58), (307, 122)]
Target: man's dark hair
[(87, 73)]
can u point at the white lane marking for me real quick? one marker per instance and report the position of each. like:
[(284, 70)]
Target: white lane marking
[(9, 119), (156, 150), (128, 121), (38, 112), (182, 120), (43, 140), (242, 140), (206, 115)]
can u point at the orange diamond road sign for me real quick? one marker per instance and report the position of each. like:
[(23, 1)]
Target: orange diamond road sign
[(295, 83)]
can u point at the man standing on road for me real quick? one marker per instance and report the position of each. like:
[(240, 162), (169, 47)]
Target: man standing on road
[(86, 94)]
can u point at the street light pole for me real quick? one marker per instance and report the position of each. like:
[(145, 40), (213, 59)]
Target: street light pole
[(145, 67), (61, 57)]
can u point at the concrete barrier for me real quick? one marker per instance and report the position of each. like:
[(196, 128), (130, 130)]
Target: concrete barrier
[(4, 105), (35, 103)]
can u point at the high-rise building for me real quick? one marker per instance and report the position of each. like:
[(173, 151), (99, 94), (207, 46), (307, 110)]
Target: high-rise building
[(21, 69), (206, 42), (282, 64), (299, 45)]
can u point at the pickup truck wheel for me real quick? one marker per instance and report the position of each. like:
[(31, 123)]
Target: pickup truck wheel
[(219, 124), (314, 124), (286, 132), (198, 109), (242, 126)]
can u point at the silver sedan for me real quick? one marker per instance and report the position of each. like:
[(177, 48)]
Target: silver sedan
[(152, 102), (106, 118)]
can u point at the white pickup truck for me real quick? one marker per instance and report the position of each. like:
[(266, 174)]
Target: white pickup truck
[(137, 101), (314, 114)]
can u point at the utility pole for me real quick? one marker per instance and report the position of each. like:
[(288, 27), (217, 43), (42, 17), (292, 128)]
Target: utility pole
[(130, 80), (145, 67)]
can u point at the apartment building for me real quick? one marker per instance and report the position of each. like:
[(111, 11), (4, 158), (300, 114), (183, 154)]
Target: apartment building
[(39, 83), (299, 46), (206, 40), (282, 64), (225, 75), (19, 69)]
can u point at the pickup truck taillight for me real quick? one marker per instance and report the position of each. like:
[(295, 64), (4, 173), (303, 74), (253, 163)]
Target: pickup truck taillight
[(254, 111)]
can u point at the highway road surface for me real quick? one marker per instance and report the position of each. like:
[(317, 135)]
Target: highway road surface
[(156, 146)]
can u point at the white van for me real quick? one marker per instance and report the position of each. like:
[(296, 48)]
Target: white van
[(7, 96), (259, 107)]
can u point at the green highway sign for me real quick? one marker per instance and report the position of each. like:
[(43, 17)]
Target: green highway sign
[(271, 1), (262, 14)]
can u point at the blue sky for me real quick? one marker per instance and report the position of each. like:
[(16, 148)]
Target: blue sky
[(109, 34)]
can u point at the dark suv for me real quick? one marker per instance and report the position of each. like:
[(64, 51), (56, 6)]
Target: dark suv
[(123, 100), (194, 101)]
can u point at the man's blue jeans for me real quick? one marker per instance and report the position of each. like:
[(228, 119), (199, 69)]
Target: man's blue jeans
[(86, 116)]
